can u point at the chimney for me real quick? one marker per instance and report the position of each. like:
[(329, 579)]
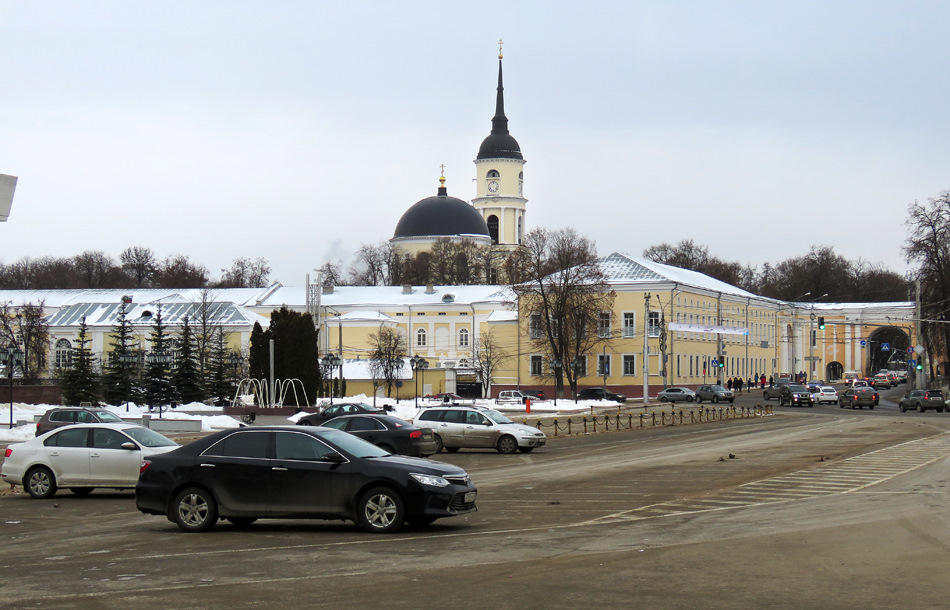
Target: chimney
[(407, 288), (430, 289), (328, 290)]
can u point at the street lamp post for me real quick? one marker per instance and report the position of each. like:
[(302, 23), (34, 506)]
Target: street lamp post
[(331, 361), (163, 358), (577, 371), (812, 339), (12, 356), (418, 363), (556, 366)]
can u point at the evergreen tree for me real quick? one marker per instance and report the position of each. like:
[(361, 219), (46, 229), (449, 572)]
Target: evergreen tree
[(122, 367), (81, 380), (259, 353), (220, 380), (185, 376), (158, 386), (295, 350)]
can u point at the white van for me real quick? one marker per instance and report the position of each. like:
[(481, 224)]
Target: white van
[(512, 396)]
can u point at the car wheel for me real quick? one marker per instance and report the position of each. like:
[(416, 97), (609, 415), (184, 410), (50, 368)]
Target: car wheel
[(81, 491), (438, 443), (241, 521), (901, 407), (195, 510), (699, 400), (689, 399), (871, 407), (663, 399), (381, 510), (507, 444), (452, 449), (920, 408), (715, 399), (40, 483), (732, 400), (525, 449)]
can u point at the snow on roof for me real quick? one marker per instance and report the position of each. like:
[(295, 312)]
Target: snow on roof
[(625, 269), (173, 314), (362, 316), (381, 296), (500, 315), (67, 296)]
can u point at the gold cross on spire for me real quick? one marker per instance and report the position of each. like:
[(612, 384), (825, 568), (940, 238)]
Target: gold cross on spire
[(442, 167), (500, 42)]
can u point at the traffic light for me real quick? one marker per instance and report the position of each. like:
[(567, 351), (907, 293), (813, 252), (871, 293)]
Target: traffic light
[(919, 366), (722, 363), (821, 323)]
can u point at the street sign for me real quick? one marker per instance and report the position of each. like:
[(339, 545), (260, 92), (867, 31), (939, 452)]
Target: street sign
[(919, 350), (864, 343), (910, 350), (715, 362), (913, 362), (885, 347)]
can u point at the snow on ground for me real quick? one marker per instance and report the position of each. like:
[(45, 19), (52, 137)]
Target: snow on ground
[(211, 417)]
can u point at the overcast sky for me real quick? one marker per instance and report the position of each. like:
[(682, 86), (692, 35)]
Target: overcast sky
[(296, 131)]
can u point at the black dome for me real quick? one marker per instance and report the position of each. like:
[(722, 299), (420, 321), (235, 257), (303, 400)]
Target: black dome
[(441, 215), (499, 146)]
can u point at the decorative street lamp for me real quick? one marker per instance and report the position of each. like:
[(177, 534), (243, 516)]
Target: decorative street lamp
[(331, 361), (556, 366), (12, 356), (418, 363), (162, 358)]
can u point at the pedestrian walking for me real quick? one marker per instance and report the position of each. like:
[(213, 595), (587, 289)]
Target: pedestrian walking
[(729, 383), (771, 382)]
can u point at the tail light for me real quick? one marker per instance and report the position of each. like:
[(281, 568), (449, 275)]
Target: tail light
[(415, 434), (8, 453), (144, 466)]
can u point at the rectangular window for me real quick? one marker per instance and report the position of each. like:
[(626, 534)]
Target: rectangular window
[(629, 324), (441, 313), (629, 364), (534, 326), (603, 325), (580, 366), (537, 366), (653, 325), (603, 365)]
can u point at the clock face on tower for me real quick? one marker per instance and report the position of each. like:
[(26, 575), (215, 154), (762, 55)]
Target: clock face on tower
[(493, 186)]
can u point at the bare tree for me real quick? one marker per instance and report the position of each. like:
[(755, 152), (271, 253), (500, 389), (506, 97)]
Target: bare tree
[(487, 357), (139, 263), (25, 326), (93, 268), (176, 271), (332, 272), (370, 265), (389, 349), (246, 273), (563, 297)]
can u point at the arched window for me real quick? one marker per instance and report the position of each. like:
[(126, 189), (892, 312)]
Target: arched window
[(64, 354), (493, 228), (421, 338), (463, 337), (492, 173)]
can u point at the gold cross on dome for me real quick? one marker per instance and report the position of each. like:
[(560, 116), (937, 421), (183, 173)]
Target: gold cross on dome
[(442, 167), (500, 42)]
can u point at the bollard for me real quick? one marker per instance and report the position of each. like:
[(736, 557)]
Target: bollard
[(641, 420), (568, 426), (681, 418), (691, 416), (662, 418), (585, 424), (653, 422)]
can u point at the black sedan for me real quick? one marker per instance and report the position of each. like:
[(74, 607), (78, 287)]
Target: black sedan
[(291, 472), (338, 409), (387, 432)]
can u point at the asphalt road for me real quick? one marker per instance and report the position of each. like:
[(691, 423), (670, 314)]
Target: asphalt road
[(814, 507)]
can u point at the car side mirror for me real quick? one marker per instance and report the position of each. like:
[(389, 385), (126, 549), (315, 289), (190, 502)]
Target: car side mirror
[(332, 457), (129, 445)]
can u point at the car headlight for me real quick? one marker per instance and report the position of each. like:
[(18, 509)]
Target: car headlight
[(430, 479)]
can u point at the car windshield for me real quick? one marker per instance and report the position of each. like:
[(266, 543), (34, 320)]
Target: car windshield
[(797, 388), (718, 388), (352, 445), (108, 416), (496, 417), (149, 438)]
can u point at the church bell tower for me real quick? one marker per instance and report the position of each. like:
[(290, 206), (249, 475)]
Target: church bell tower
[(499, 179)]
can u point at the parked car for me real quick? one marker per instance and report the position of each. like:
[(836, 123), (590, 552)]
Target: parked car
[(82, 457), (298, 472), (921, 400), (338, 409), (387, 432), (469, 427), (714, 393), (859, 397), (796, 396), (447, 397), (676, 395), (827, 393), (775, 392), (535, 394), (600, 394), (512, 396), (65, 416)]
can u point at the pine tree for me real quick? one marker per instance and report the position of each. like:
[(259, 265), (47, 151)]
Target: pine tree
[(81, 381), (258, 354), (158, 386), (220, 379), (122, 366), (185, 375)]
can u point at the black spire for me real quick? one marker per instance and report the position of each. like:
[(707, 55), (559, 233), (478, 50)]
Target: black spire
[(500, 143)]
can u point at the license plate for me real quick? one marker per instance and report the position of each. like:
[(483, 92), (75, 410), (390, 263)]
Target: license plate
[(469, 497)]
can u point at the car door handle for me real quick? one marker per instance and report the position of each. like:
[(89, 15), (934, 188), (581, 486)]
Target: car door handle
[(278, 468), (207, 465)]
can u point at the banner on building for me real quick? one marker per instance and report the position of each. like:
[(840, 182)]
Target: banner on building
[(700, 328)]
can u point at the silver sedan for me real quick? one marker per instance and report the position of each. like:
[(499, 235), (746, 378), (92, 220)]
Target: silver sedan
[(676, 394)]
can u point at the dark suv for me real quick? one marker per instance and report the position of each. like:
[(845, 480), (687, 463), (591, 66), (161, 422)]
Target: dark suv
[(921, 400), (859, 397), (796, 396), (65, 416)]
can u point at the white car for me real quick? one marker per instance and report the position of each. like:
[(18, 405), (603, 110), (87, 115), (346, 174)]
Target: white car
[(82, 457), (827, 394)]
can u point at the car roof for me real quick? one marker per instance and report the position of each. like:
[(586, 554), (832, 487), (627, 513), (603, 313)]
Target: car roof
[(112, 426), (389, 418)]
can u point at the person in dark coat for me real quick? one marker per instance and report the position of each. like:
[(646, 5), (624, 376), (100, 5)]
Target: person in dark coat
[(738, 385), (729, 383)]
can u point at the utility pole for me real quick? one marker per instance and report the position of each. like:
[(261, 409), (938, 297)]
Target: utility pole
[(719, 354), (646, 348), (918, 379)]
